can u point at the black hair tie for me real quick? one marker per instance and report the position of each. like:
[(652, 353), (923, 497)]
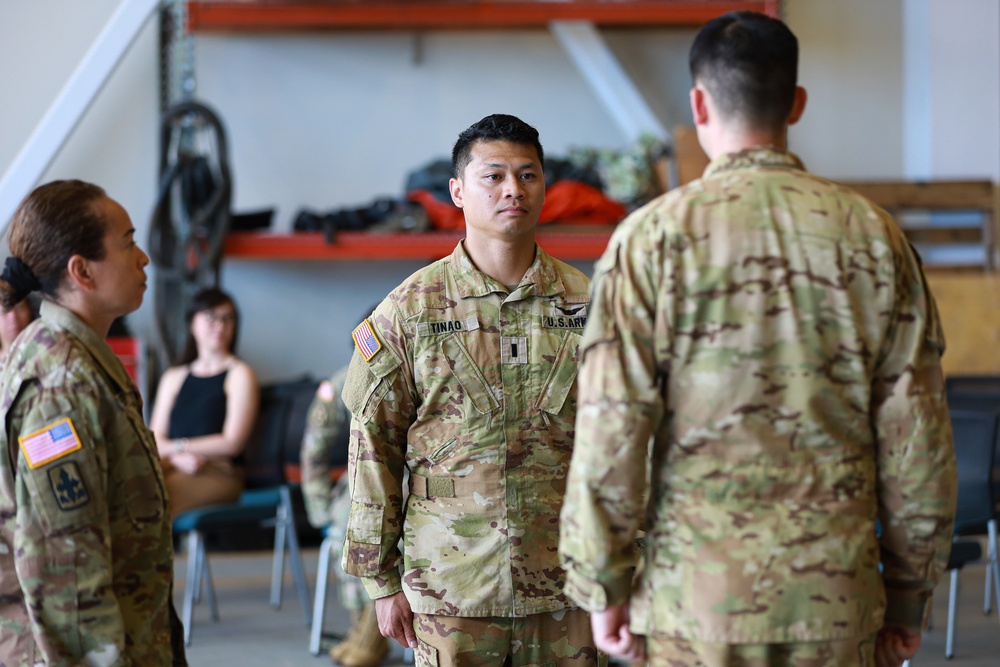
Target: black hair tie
[(20, 276)]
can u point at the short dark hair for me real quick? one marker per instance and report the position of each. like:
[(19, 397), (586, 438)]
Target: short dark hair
[(208, 298), (748, 61), (497, 127)]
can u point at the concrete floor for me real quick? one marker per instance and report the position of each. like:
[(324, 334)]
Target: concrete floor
[(251, 634)]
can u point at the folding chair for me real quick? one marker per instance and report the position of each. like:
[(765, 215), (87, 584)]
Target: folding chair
[(267, 501)]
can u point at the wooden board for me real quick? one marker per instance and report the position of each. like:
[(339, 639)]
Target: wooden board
[(969, 304)]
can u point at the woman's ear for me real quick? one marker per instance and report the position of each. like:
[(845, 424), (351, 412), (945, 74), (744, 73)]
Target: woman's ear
[(79, 272)]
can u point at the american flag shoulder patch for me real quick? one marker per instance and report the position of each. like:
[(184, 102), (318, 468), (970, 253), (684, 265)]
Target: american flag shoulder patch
[(366, 341), (49, 443)]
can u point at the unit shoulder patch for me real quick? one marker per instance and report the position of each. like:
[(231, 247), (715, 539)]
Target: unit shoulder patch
[(366, 341), (68, 486), (49, 443)]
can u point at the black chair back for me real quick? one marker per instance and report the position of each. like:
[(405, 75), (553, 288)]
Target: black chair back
[(975, 443), (988, 384), (277, 434)]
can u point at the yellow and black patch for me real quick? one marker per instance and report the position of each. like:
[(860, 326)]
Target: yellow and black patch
[(68, 486)]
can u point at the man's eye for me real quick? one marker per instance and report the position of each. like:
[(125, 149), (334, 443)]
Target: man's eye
[(529, 176)]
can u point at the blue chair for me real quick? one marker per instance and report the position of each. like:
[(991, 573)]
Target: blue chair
[(268, 501)]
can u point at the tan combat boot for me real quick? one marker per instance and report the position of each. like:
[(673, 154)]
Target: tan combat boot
[(367, 646), (338, 649)]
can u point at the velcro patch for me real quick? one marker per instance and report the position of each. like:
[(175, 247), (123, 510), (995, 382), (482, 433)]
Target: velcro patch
[(366, 341), (572, 316), (49, 443), (68, 486), (513, 349), (470, 323)]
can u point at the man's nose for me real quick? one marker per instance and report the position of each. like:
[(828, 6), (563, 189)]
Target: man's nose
[(513, 187)]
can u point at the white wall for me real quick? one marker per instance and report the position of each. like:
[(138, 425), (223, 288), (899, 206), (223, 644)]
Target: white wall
[(329, 120), (964, 46), (851, 65), (115, 143)]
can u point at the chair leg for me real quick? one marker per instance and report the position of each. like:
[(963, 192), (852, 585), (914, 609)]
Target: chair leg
[(298, 571), (191, 584), (949, 643), (993, 564), (319, 601), (213, 604), (278, 561), (990, 560)]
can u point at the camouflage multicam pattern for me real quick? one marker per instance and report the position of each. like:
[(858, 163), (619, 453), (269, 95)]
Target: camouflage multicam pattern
[(560, 639), (85, 541), (473, 391), (328, 416), (329, 503), (763, 345), (674, 652)]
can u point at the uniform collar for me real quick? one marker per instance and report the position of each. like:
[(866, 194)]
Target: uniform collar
[(761, 156), (541, 279), (63, 318)]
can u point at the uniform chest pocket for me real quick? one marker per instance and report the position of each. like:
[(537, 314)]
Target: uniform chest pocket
[(561, 381), (467, 372), (138, 472)]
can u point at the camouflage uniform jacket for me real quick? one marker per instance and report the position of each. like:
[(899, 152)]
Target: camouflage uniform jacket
[(328, 418), (85, 540), (473, 391), (762, 344)]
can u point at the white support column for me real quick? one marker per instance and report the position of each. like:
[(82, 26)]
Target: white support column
[(951, 89), (70, 104), (602, 71), (917, 103)]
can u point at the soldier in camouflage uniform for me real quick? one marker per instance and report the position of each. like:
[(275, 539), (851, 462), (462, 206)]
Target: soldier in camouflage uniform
[(86, 560), (329, 504), (465, 376), (763, 349)]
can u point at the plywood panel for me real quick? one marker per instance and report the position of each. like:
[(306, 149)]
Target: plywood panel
[(691, 159), (969, 304)]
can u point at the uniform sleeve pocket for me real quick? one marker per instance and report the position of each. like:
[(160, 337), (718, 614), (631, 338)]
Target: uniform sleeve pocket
[(363, 550), (469, 376), (365, 523), (66, 488), (366, 386), (561, 381)]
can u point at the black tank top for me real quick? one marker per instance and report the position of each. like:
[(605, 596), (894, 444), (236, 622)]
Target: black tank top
[(200, 407)]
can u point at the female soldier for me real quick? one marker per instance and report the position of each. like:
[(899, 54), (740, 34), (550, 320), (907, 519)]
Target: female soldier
[(86, 565)]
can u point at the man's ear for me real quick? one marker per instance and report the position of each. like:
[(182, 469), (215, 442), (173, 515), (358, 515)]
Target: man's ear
[(798, 105), (699, 105), (79, 271), (455, 187)]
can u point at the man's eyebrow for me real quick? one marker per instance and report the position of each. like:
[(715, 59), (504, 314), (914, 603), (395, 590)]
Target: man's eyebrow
[(500, 165), (128, 233)]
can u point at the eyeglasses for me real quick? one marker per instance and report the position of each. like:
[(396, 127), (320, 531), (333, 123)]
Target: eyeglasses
[(217, 318)]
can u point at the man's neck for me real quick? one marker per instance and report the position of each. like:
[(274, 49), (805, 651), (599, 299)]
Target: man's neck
[(735, 139), (506, 261)]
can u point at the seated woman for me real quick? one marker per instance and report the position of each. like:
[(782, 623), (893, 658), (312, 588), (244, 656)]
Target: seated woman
[(205, 408)]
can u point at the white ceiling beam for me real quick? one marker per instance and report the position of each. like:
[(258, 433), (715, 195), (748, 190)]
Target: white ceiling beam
[(70, 104), (597, 64)]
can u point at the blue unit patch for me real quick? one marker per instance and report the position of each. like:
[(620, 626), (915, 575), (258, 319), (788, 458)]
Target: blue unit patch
[(68, 486)]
